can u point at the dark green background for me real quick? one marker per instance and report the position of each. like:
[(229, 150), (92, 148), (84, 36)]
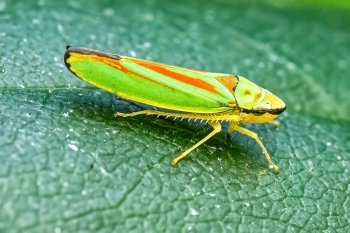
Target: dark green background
[(67, 165)]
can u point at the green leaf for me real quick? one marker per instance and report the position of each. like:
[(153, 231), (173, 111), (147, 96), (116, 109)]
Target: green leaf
[(67, 165)]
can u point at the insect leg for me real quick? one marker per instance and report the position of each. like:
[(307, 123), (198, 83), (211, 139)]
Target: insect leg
[(145, 112), (275, 123), (255, 136), (217, 129)]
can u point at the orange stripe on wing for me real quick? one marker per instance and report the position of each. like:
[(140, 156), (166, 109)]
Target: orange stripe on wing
[(116, 64), (160, 68)]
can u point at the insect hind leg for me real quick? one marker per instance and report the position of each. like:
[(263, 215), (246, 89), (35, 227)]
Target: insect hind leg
[(144, 112), (158, 114), (189, 116)]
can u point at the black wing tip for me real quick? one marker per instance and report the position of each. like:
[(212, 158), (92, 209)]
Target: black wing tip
[(66, 56), (87, 51)]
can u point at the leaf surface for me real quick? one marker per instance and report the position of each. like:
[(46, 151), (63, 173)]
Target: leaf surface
[(67, 165)]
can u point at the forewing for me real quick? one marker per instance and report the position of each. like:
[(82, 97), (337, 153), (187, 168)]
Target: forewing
[(151, 83)]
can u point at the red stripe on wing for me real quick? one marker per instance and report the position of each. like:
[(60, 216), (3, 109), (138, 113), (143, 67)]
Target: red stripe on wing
[(116, 64), (160, 68)]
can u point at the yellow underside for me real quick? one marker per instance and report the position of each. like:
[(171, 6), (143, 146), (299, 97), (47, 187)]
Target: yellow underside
[(251, 118)]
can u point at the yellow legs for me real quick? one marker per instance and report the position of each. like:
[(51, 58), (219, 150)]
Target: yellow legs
[(217, 129), (275, 123), (213, 121), (251, 134)]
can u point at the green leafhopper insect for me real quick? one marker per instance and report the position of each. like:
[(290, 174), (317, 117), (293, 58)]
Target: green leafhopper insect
[(196, 95)]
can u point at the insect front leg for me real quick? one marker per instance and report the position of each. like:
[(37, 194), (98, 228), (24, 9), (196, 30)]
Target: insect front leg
[(275, 123), (217, 129), (234, 126)]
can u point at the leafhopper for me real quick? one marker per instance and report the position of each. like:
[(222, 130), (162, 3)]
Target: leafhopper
[(193, 94)]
